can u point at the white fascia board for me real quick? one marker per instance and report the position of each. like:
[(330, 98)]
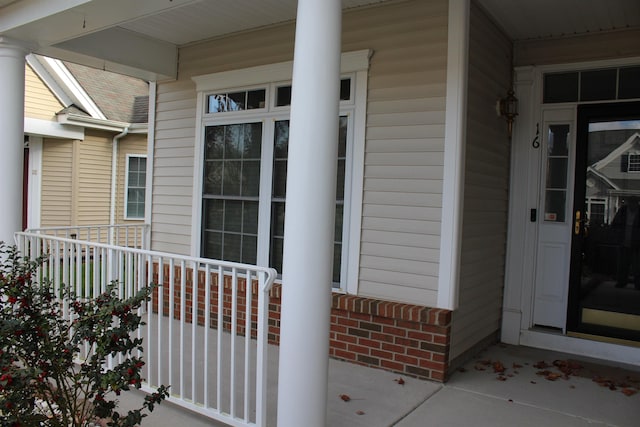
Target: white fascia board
[(52, 83), (49, 129), (26, 11), (90, 122), (349, 62), (73, 88)]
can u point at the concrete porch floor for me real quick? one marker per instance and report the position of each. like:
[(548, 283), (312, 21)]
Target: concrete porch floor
[(475, 395)]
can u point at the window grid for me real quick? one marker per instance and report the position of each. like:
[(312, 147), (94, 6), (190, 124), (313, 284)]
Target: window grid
[(216, 235), (135, 193)]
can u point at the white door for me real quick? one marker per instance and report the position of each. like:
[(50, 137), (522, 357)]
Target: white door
[(555, 218)]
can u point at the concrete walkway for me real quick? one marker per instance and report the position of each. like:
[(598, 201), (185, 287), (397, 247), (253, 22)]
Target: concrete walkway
[(526, 393)]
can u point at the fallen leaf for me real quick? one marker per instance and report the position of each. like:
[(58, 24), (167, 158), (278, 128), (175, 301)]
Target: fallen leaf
[(510, 400), (345, 397), (501, 378), (533, 382), (629, 391), (541, 365), (399, 381), (516, 366), (498, 367), (462, 370), (360, 412)]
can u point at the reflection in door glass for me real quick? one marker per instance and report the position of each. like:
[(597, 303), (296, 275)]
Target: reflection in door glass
[(610, 272)]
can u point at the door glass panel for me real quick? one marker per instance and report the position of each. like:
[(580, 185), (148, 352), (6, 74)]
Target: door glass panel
[(556, 180), (609, 293)]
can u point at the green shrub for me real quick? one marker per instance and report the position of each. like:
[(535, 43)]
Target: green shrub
[(42, 383)]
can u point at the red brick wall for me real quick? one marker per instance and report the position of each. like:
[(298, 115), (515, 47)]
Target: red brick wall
[(408, 339)]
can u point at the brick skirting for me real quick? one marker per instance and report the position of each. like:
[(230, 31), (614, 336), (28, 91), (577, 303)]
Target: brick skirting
[(407, 339)]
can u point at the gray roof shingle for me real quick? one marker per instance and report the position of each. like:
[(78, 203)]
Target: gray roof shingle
[(119, 97)]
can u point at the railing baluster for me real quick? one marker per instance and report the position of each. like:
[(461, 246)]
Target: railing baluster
[(234, 334), (171, 316), (183, 316), (247, 342), (160, 316), (195, 288), (207, 328), (220, 332)]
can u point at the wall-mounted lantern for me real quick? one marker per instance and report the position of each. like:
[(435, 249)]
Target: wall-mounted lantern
[(508, 108)]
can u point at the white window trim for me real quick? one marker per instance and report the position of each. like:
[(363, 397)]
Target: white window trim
[(355, 63), (126, 190)]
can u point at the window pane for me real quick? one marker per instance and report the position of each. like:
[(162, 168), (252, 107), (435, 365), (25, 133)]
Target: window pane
[(560, 87), (249, 249), (214, 142), (629, 84), (213, 214), (283, 96), (255, 99), (251, 178), (555, 202), (339, 222), (337, 256), (557, 173), (276, 253), (231, 178), (345, 89), (598, 85), (212, 244), (233, 216), (231, 247), (212, 177), (277, 219), (250, 217), (236, 101), (279, 178)]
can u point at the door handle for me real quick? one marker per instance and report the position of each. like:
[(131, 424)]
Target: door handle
[(576, 227)]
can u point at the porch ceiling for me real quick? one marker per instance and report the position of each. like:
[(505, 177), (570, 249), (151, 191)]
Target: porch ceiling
[(141, 37), (527, 19)]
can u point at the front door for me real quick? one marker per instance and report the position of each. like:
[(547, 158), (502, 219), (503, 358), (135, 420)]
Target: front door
[(604, 288)]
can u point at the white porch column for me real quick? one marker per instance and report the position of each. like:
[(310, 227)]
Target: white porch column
[(12, 63), (310, 210)]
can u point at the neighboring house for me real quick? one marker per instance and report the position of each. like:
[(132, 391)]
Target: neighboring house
[(450, 232), (86, 131)]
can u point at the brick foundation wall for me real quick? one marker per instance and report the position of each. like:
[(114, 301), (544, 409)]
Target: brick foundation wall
[(407, 339)]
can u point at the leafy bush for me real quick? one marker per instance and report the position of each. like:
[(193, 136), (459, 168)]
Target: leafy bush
[(41, 381)]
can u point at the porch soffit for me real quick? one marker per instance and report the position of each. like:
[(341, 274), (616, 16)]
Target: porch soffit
[(539, 19), (141, 37)]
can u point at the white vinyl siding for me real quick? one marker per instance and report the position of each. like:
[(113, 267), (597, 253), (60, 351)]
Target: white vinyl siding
[(486, 188), (403, 164)]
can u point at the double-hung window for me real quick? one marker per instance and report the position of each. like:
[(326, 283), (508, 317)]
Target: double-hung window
[(136, 176), (243, 147)]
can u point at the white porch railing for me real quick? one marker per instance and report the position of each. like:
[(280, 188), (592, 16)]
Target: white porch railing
[(206, 324), (129, 235)]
